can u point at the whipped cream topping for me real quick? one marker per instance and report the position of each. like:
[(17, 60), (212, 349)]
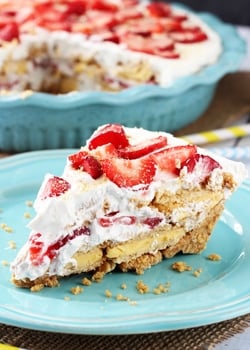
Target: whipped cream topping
[(64, 48), (110, 212)]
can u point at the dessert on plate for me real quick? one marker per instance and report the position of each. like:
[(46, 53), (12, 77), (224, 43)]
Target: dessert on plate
[(85, 45), (127, 199)]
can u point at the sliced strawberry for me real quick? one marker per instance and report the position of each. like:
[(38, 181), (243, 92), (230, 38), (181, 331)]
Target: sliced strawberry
[(9, 31), (101, 20), (35, 248), (92, 167), (144, 26), (152, 222), (55, 187), (108, 35), (110, 133), (37, 251), (86, 162), (179, 17), (143, 148), (76, 159), (149, 45), (169, 54), (171, 158), (77, 7), (188, 35), (129, 173), (55, 25), (158, 9), (103, 5), (52, 250), (202, 164), (108, 221), (170, 24), (128, 13), (105, 151)]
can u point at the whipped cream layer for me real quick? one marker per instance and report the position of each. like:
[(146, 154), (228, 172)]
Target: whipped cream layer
[(113, 213), (61, 50)]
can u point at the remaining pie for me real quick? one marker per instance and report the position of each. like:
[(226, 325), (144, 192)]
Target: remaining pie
[(126, 200), (84, 45)]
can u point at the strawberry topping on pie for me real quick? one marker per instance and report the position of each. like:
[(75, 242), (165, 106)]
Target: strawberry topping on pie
[(154, 29), (110, 153)]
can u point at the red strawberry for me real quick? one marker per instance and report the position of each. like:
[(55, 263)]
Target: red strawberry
[(52, 250), (92, 166), (123, 220), (77, 7), (188, 35), (171, 158), (110, 133), (160, 45), (203, 163), (76, 159), (105, 151), (142, 26), (35, 248), (143, 148), (129, 173), (128, 13), (86, 162), (55, 187), (103, 5), (158, 9), (9, 31)]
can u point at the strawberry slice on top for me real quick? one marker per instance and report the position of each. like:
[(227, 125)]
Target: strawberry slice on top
[(86, 162), (143, 148), (202, 164), (170, 159), (129, 173), (110, 133)]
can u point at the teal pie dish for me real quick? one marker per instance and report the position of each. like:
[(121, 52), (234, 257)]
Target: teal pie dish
[(45, 121)]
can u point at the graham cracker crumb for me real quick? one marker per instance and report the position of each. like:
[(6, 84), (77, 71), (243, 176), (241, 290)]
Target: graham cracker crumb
[(6, 228), (12, 244), (5, 263), (214, 257), (161, 288), (98, 276), (142, 287), (181, 266), (37, 287), (27, 215), (197, 272), (76, 290), (108, 293), (66, 298), (29, 203), (86, 281), (123, 286), (121, 297)]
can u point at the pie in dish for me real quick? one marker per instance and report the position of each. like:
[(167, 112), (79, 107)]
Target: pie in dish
[(81, 45), (127, 199)]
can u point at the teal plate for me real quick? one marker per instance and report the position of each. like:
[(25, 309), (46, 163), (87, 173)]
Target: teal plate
[(221, 292)]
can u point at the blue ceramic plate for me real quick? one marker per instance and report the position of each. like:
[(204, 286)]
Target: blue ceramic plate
[(221, 292), (46, 121)]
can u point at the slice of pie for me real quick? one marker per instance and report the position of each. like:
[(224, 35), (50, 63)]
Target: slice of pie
[(126, 200)]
